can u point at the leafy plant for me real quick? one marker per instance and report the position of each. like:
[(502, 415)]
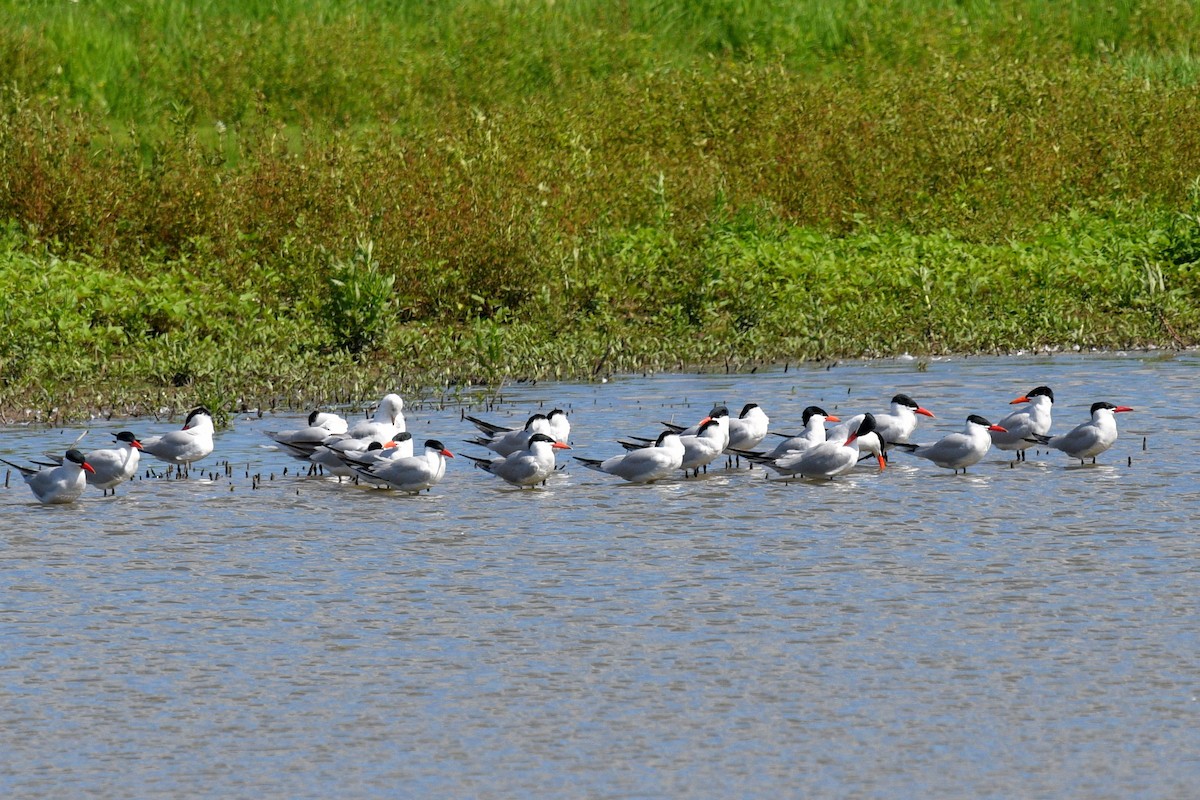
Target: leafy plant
[(359, 298)]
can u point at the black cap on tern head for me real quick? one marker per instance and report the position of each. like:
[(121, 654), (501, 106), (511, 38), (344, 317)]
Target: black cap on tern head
[(312, 417), (195, 412), (374, 446), (905, 400), (403, 436), (719, 411), (1097, 406), (978, 420), (867, 425), (746, 409), (532, 419), (1043, 391), (662, 436), (541, 437), (75, 455), (125, 436), (808, 413), (434, 444), (556, 412)]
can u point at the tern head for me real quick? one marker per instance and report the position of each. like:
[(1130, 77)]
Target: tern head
[(438, 447), (975, 419), (534, 420), (1041, 391), (746, 409), (908, 402), (866, 426), (196, 417), (76, 457), (541, 437), (389, 409), (812, 411), (558, 412), (128, 438), (1115, 409)]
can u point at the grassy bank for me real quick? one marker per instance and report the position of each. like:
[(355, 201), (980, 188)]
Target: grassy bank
[(288, 203), (80, 336)]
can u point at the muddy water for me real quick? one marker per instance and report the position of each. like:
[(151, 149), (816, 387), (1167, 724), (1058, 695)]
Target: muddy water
[(1025, 630)]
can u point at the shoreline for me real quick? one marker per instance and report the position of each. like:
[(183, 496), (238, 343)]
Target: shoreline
[(155, 404)]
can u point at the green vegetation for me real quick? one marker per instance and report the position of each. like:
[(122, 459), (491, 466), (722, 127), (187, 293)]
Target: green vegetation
[(288, 203)]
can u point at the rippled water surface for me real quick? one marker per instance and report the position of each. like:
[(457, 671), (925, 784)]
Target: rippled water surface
[(1026, 630)]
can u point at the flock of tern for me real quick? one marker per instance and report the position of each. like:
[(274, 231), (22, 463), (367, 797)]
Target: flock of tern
[(379, 451)]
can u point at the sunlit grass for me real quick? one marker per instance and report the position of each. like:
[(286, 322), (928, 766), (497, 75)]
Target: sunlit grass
[(266, 198)]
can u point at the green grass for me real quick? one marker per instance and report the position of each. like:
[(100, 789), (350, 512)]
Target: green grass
[(284, 202)]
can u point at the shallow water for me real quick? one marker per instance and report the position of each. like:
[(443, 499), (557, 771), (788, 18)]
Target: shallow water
[(1025, 630)]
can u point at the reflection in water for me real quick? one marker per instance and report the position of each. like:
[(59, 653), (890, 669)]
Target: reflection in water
[(1024, 630)]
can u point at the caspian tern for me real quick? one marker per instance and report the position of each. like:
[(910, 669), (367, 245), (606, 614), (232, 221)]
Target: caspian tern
[(1090, 438), (400, 447), (958, 450), (870, 442), (62, 484), (412, 474), (192, 443), (505, 441), (898, 426), (355, 463), (113, 466), (385, 424), (700, 448), (749, 429), (814, 419), (644, 465), (527, 467), (332, 451), (1027, 422), (708, 443), (338, 453), (560, 426), (718, 412), (827, 459), (329, 421), (301, 443)]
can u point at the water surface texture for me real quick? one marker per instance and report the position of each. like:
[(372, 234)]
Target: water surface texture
[(1025, 630)]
